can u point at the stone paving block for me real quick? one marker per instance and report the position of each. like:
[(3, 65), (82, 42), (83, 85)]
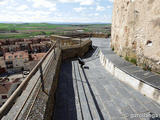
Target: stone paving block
[(111, 90), (131, 69), (153, 108), (154, 80), (139, 108), (113, 110)]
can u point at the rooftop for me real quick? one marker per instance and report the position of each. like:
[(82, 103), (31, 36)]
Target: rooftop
[(94, 93), (5, 87)]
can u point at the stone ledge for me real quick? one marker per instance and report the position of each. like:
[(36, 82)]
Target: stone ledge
[(76, 50), (145, 82)]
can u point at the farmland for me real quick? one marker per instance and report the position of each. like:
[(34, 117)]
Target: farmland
[(26, 30)]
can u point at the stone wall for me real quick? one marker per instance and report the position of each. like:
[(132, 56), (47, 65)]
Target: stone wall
[(64, 41), (135, 31), (100, 35), (76, 50), (71, 47)]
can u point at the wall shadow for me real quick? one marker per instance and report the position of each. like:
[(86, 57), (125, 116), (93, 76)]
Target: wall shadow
[(65, 106), (93, 96), (90, 53)]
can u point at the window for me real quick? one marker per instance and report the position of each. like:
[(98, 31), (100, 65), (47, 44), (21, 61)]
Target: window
[(4, 96), (10, 57), (15, 56), (149, 43), (20, 56)]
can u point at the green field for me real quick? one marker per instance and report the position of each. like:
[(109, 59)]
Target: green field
[(26, 30)]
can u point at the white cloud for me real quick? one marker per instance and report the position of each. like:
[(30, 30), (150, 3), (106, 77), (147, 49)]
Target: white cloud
[(3, 2), (111, 0), (47, 11), (22, 7), (100, 8), (96, 14), (87, 2), (81, 2), (108, 7), (80, 9), (44, 3), (6, 2)]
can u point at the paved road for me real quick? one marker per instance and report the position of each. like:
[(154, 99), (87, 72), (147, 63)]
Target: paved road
[(91, 93)]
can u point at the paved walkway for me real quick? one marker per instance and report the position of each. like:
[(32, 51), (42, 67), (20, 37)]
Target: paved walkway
[(92, 93)]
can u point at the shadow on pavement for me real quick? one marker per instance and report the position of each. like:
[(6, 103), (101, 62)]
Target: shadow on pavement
[(65, 106)]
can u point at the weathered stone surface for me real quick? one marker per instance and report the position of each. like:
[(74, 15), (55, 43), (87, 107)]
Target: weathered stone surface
[(95, 94), (76, 50), (135, 31)]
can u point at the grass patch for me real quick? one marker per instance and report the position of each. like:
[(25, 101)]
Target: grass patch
[(24, 35), (146, 67), (158, 72), (126, 58), (134, 61), (25, 30)]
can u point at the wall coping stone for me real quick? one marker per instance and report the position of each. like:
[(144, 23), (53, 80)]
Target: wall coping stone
[(147, 77)]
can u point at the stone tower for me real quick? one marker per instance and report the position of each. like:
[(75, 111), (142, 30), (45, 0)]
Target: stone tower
[(136, 31)]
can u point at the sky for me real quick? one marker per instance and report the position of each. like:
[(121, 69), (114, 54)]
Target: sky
[(61, 11)]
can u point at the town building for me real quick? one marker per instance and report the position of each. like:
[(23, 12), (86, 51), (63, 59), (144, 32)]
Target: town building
[(17, 54), (2, 65), (16, 60), (7, 88)]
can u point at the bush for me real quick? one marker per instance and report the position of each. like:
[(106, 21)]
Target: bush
[(149, 68), (13, 30), (127, 58), (43, 33), (134, 61), (146, 67), (112, 48)]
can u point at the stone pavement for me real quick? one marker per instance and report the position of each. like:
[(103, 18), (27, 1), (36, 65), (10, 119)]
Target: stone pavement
[(145, 76), (91, 93)]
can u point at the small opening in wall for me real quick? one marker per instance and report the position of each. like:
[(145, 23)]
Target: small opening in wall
[(136, 11), (149, 43)]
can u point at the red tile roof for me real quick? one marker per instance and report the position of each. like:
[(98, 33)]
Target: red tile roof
[(6, 86)]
